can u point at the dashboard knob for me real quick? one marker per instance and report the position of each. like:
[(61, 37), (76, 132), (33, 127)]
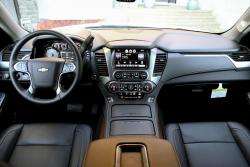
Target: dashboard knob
[(148, 87), (130, 87), (113, 87)]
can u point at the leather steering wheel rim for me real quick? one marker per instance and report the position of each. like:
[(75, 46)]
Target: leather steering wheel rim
[(13, 61)]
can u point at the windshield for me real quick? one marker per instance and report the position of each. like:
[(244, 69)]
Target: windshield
[(213, 16)]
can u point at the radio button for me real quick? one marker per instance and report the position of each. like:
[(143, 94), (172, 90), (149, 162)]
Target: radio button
[(130, 87), (118, 75), (143, 75)]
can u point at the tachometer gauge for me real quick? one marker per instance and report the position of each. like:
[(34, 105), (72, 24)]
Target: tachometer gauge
[(52, 52)]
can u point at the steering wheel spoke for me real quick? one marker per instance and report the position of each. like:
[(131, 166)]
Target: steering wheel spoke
[(31, 90), (28, 93), (21, 66)]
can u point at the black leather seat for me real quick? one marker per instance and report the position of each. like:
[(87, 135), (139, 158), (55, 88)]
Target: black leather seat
[(45, 145), (218, 144)]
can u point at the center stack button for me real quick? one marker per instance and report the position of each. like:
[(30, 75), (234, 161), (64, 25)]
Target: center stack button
[(118, 75)]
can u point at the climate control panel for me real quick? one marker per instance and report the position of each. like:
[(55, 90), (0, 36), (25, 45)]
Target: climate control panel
[(130, 90), (130, 75)]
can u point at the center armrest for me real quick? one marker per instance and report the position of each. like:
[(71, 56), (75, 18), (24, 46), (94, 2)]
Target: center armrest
[(131, 151)]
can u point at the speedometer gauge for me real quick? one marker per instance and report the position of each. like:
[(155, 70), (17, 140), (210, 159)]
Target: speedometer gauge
[(51, 52)]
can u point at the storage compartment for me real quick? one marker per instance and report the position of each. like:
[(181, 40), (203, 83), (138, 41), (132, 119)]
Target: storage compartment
[(131, 155), (131, 111), (132, 127)]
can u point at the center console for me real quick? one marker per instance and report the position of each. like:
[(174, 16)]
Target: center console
[(129, 78)]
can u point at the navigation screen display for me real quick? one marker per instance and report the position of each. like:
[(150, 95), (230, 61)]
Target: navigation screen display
[(130, 58)]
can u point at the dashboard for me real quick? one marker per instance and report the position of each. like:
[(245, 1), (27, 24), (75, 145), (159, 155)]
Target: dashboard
[(136, 63)]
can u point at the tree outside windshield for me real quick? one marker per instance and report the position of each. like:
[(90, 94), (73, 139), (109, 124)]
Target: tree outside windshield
[(201, 15)]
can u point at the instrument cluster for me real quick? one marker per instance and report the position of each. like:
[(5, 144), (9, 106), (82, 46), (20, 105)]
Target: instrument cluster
[(60, 50)]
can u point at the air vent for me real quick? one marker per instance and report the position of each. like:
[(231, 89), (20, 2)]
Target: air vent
[(6, 55), (160, 63), (242, 55), (101, 64)]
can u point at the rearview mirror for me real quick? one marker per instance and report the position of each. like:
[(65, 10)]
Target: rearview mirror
[(125, 0)]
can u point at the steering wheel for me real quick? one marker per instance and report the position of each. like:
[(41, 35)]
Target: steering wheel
[(45, 73)]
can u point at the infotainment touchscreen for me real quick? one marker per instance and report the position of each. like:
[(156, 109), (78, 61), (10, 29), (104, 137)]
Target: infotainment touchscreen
[(130, 58)]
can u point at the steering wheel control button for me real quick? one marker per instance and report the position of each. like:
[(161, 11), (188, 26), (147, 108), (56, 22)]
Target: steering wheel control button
[(69, 67), (6, 76), (21, 67)]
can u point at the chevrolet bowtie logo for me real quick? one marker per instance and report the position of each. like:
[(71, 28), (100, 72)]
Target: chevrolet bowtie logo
[(43, 69)]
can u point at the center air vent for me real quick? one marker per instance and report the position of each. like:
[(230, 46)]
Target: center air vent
[(242, 55), (160, 63), (101, 64)]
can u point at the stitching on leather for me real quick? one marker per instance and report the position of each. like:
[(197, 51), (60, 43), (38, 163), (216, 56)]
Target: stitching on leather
[(229, 127), (183, 160), (176, 145), (79, 155), (72, 145), (10, 132), (243, 150), (235, 136), (56, 145), (243, 132), (187, 160), (177, 157), (16, 139), (209, 142), (87, 146)]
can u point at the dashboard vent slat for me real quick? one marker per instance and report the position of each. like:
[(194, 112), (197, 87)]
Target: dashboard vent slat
[(21, 54), (242, 55), (101, 64), (160, 63), (6, 56)]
